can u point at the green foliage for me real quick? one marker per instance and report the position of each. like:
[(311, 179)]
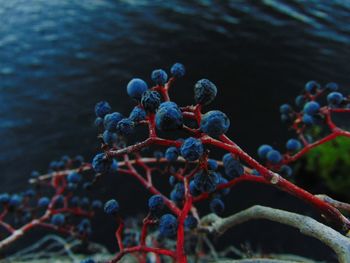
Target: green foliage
[(331, 161)]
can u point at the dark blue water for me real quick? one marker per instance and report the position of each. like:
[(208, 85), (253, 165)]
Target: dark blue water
[(58, 58)]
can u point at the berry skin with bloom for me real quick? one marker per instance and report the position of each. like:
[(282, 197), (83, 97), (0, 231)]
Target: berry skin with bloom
[(111, 207), (102, 108), (312, 87), (190, 222), (212, 164), (293, 145), (137, 114), (274, 157), (111, 120), (233, 168), (159, 76), (214, 123), (191, 149), (109, 137), (178, 193), (58, 219), (136, 87), (263, 150), (103, 165), (335, 98), (332, 86), (150, 100), (206, 181), (43, 202), (156, 203), (125, 127), (204, 91), (4, 198), (74, 177), (96, 204), (285, 109), (308, 119), (178, 70), (169, 117), (168, 225), (15, 200), (217, 206), (311, 107), (171, 154)]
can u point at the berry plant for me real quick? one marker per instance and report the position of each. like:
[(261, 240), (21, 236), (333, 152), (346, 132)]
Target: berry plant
[(188, 136), (180, 145)]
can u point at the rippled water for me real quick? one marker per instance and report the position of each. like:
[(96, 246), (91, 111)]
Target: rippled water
[(59, 57)]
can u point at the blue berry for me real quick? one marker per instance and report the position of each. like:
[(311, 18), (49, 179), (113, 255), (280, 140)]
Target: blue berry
[(212, 164), (84, 202), (214, 123), (171, 154), (300, 101), (332, 86), (191, 149), (308, 119), (172, 180), (150, 100), (274, 156), (178, 70), (74, 177), (58, 219), (178, 193), (72, 186), (102, 108), (286, 171), (158, 155), (15, 200), (111, 207), (224, 191), (137, 114), (293, 145), (59, 200), (285, 109), (335, 98), (233, 168), (4, 198), (206, 181), (263, 150), (111, 121), (190, 222), (168, 225), (99, 122), (312, 87), (88, 260), (136, 87), (103, 165), (217, 206), (125, 127), (29, 193), (204, 92), (159, 76), (43, 202), (169, 117), (74, 201), (35, 174), (311, 107), (193, 189), (109, 137), (96, 204), (156, 203)]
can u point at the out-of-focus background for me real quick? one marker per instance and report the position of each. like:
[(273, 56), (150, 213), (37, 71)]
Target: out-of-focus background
[(59, 57)]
